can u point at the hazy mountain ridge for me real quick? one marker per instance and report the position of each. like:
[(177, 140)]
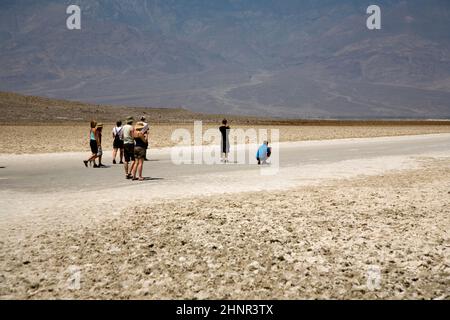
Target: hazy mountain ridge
[(309, 58)]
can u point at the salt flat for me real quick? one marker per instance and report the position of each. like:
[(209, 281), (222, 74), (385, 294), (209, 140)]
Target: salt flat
[(56, 214)]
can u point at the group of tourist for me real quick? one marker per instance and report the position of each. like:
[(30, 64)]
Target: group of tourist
[(131, 143)]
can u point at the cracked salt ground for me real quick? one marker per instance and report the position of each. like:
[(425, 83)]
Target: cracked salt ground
[(307, 242), (304, 232)]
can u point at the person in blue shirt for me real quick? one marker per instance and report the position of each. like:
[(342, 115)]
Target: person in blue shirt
[(263, 153)]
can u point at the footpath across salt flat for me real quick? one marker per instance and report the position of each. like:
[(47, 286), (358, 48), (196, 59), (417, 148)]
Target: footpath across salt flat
[(57, 186)]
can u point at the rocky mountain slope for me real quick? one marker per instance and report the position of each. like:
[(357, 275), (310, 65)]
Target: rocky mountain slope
[(277, 58)]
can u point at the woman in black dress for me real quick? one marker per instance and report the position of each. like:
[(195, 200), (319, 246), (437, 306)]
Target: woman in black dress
[(225, 145)]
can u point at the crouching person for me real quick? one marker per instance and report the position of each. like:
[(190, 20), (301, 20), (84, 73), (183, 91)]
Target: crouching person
[(263, 153)]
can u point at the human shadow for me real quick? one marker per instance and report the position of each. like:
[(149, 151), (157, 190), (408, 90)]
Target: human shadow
[(2, 167), (152, 179)]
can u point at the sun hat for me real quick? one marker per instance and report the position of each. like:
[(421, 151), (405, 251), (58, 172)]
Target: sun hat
[(139, 126), (129, 120), (100, 125)]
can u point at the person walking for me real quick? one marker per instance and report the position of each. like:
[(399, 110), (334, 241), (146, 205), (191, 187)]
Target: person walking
[(117, 135), (128, 147), (93, 144), (225, 145), (140, 139)]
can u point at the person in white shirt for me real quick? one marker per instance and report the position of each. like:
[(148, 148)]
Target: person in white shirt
[(128, 140)]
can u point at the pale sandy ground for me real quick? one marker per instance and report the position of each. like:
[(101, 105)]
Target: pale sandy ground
[(21, 139), (312, 233)]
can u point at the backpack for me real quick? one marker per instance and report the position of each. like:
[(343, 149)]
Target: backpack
[(117, 135)]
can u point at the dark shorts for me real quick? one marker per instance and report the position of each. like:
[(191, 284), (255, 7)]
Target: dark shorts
[(139, 153), (118, 144), (128, 152), (94, 146)]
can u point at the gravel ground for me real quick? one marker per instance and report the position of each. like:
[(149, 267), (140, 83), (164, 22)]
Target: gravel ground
[(309, 242)]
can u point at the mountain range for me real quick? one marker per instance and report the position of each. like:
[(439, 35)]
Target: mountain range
[(277, 58)]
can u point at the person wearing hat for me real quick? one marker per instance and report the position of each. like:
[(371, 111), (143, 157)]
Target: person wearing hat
[(140, 139), (128, 147), (145, 132)]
